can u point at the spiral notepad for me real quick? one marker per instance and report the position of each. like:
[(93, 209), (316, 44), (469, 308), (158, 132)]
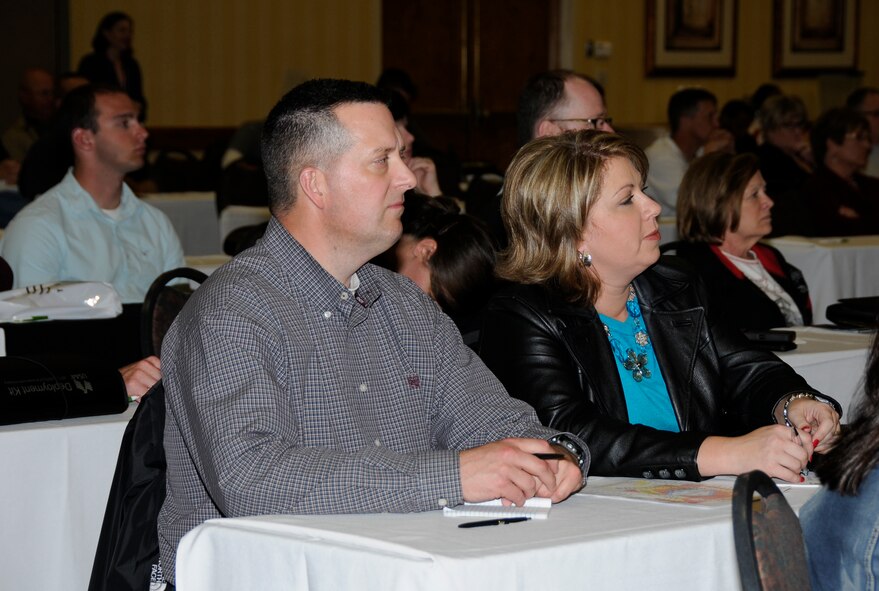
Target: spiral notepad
[(535, 508)]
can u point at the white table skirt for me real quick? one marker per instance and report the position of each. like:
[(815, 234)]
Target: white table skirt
[(56, 479), (834, 268), (588, 542), (194, 217), (832, 361)]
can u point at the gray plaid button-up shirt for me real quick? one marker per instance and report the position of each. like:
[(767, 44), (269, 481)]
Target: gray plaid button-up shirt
[(288, 393)]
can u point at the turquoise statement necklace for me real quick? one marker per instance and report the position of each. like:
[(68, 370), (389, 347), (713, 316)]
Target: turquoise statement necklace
[(630, 360)]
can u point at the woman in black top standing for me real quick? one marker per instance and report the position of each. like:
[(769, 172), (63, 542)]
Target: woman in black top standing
[(112, 61)]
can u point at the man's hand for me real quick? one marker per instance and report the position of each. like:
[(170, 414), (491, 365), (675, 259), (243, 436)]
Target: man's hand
[(720, 140), (508, 469), (141, 376)]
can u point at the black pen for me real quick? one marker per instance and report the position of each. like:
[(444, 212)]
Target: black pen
[(503, 521), (549, 456)]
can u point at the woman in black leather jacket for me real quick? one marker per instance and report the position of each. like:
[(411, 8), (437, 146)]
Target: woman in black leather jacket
[(623, 351)]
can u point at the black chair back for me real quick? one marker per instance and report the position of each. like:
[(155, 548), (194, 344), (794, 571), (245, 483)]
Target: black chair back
[(161, 305), (769, 541)]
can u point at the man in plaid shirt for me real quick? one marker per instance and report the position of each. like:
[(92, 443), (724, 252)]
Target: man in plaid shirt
[(301, 379)]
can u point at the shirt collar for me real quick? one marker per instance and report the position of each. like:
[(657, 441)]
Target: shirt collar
[(82, 203), (304, 274)]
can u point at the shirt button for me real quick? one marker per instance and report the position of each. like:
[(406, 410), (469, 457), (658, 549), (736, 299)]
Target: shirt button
[(362, 387), (327, 314), (344, 295), (378, 443), (443, 502)]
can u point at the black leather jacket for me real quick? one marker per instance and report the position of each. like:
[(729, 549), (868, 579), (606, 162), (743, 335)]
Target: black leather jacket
[(555, 356)]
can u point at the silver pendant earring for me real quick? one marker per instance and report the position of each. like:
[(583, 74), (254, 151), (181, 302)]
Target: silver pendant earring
[(585, 259)]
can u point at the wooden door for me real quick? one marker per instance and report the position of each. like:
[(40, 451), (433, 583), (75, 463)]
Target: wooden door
[(470, 60)]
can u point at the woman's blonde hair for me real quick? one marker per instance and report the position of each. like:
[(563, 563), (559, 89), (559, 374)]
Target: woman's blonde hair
[(710, 196), (549, 190)]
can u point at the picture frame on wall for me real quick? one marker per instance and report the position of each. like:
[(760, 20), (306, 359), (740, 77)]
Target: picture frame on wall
[(814, 37), (691, 37)]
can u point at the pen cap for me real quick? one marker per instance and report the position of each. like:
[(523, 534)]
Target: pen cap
[(58, 387)]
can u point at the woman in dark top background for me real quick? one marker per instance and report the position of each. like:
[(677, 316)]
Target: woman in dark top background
[(786, 163), (449, 255), (843, 201), (112, 61), (723, 213)]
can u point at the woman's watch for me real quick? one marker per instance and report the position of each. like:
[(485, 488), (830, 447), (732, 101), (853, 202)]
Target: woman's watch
[(570, 446)]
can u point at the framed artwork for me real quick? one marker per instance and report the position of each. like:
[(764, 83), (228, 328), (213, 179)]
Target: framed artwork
[(814, 36), (691, 37)]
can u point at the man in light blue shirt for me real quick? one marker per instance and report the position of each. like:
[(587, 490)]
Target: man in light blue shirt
[(90, 226)]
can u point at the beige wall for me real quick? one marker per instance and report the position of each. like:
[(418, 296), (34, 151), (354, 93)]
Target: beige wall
[(220, 62), (633, 99)]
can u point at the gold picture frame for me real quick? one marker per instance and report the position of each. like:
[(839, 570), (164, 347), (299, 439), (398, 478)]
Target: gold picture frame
[(815, 36), (691, 37)]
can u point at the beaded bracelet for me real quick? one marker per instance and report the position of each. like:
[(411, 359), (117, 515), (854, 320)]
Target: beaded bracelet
[(793, 397)]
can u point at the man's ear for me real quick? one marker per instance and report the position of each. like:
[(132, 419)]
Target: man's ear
[(313, 185), (546, 128), (425, 248), (82, 139)]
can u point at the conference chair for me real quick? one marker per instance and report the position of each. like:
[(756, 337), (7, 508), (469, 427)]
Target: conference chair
[(161, 305), (768, 538)]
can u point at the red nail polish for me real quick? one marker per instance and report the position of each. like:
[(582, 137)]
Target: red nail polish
[(802, 478), (815, 443)]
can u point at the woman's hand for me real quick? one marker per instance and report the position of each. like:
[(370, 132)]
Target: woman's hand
[(816, 421), (774, 449), (427, 182)]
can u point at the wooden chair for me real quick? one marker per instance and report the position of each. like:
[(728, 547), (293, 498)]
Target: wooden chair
[(768, 538)]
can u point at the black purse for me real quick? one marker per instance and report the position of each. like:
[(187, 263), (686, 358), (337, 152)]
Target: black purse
[(855, 312)]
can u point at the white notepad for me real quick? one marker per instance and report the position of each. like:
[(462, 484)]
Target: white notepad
[(535, 508)]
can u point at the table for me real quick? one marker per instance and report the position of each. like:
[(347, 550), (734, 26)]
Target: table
[(588, 542), (194, 217), (832, 361), (56, 479), (834, 268)]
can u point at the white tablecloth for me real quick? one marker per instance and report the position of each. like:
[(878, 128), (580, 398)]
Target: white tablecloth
[(56, 479), (834, 268), (833, 361), (588, 542), (194, 217)]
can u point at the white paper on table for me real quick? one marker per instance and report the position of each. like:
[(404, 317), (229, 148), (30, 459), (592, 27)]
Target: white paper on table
[(535, 508)]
